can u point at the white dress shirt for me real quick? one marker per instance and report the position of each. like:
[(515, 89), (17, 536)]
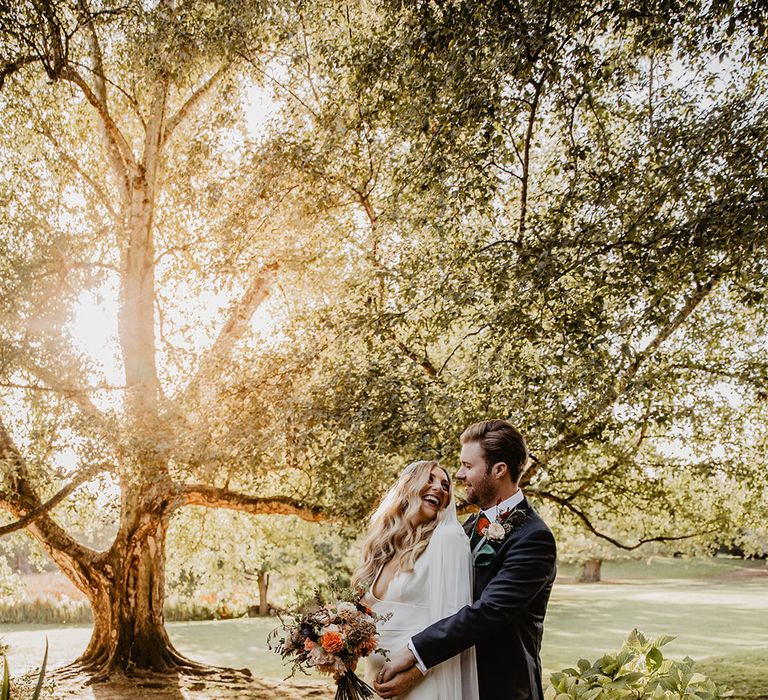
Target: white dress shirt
[(514, 500)]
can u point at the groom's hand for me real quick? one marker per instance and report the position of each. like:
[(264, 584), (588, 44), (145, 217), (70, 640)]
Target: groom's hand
[(400, 684), (401, 660)]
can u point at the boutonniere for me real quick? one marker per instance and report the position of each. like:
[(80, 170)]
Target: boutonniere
[(496, 532), (504, 524)]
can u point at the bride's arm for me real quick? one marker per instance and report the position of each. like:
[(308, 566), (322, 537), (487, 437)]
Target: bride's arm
[(449, 571)]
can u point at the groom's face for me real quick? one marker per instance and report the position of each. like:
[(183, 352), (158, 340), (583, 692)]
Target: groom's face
[(473, 473)]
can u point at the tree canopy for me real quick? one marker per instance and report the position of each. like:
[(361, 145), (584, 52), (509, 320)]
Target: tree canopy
[(561, 218)]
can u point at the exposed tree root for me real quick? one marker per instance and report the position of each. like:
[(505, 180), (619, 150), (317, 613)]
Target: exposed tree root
[(218, 684), (104, 669)]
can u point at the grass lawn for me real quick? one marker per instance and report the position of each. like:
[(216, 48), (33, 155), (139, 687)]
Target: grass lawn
[(717, 608), (745, 673)]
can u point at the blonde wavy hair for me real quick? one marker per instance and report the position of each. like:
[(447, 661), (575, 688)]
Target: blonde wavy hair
[(392, 530)]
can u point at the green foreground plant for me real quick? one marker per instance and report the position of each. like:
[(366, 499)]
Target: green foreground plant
[(639, 670), (5, 689)]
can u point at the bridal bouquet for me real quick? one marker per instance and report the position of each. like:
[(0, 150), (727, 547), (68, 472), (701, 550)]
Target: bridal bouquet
[(331, 637)]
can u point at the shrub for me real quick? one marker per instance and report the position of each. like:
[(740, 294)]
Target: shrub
[(78, 612), (638, 671), (46, 612), (178, 610)]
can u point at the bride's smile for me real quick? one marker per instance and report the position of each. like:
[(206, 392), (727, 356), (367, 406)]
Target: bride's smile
[(434, 495)]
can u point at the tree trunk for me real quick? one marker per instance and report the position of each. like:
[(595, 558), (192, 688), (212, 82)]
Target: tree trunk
[(263, 579), (589, 571), (127, 598)]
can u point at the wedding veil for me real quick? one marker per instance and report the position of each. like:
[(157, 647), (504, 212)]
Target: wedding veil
[(450, 589)]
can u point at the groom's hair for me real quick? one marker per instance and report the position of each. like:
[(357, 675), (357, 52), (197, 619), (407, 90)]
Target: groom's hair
[(500, 442)]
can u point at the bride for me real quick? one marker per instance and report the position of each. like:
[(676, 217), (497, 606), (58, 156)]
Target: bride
[(417, 566)]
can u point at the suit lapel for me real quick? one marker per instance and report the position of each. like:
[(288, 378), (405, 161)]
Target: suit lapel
[(469, 524)]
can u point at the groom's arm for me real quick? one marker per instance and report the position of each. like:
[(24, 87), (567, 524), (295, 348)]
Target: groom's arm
[(526, 569), (399, 684)]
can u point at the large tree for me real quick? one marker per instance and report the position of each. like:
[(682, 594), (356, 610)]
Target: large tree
[(127, 170), (561, 220)]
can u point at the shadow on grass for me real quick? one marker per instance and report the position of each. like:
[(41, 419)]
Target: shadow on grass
[(167, 688)]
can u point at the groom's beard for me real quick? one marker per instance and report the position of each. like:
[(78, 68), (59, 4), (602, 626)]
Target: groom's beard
[(482, 493)]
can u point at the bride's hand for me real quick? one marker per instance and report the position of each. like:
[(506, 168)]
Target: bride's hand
[(401, 660), (400, 684)]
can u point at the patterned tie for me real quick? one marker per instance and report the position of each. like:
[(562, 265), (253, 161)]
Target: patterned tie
[(481, 523)]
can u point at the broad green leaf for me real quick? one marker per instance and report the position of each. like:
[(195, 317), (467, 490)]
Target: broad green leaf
[(654, 658)]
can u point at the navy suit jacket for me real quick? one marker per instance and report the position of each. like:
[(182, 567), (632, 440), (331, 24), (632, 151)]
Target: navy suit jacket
[(506, 621)]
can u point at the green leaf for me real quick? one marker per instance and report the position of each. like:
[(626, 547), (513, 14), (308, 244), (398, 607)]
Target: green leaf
[(40, 677), (664, 639), (632, 676), (5, 690), (654, 658)]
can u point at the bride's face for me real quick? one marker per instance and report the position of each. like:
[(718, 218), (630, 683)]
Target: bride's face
[(434, 496)]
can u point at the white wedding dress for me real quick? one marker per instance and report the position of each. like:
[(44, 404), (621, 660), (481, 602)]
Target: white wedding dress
[(439, 585)]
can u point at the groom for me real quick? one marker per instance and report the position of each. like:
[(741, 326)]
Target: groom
[(514, 556)]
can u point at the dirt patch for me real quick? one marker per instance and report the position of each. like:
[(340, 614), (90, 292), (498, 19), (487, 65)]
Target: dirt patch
[(191, 688), (747, 573)]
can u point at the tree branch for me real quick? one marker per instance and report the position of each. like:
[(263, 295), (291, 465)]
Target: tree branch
[(525, 175), (75, 165), (120, 155), (191, 104), (96, 55), (75, 394), (153, 133), (538, 86), (599, 475), (565, 503), (280, 85), (422, 360), (23, 500), (11, 67), (212, 497), (610, 397), (40, 387), (309, 61), (471, 334), (82, 477), (235, 326), (756, 376)]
